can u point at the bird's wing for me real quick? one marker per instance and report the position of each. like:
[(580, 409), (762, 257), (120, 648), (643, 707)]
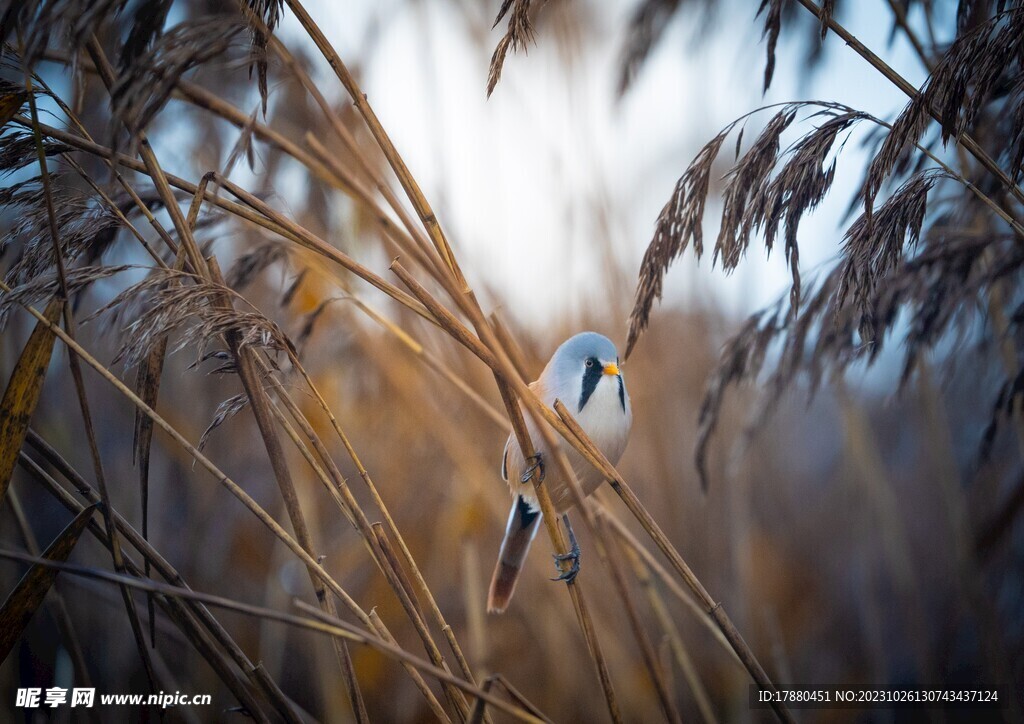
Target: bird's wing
[(504, 460), (512, 445)]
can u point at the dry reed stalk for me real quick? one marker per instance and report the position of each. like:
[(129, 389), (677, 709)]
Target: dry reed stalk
[(237, 491), (518, 696), (900, 14), (55, 601), (213, 656), (409, 184), (561, 549), (633, 546), (406, 596), (150, 555), (675, 640), (156, 173), (116, 210), (201, 98), (650, 658), (435, 706), (325, 168), (451, 325), (316, 621), (421, 245), (205, 462), (257, 212), (314, 243), (434, 363), (563, 422), (521, 367), (405, 243), (83, 400), (339, 490), (515, 353), (407, 556), (260, 405), (122, 182), (148, 384), (713, 608), (506, 378), (609, 558), (91, 147)]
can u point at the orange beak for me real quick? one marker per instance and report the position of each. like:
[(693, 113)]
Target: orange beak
[(611, 369)]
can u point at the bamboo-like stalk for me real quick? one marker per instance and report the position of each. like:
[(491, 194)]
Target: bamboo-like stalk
[(55, 599), (558, 543), (405, 177), (258, 401), (407, 556), (713, 608), (434, 363), (676, 645), (347, 139), (643, 640), (634, 546), (322, 165), (618, 576), (152, 556), (667, 580), (316, 621), (200, 458), (80, 391), (340, 490), (220, 476), (566, 426), (210, 653), (403, 587), (257, 213)]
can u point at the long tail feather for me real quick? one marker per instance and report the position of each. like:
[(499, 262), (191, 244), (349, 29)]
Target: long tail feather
[(522, 526)]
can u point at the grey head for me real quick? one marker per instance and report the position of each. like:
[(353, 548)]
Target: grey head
[(580, 364)]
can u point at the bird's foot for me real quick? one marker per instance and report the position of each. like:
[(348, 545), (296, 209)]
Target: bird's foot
[(536, 462), (573, 555)]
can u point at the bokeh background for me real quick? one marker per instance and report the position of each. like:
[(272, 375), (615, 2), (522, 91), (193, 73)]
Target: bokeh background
[(855, 536)]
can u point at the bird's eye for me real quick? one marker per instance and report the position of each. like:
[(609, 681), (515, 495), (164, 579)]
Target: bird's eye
[(590, 363)]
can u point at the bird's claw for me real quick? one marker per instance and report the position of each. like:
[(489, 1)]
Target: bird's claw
[(536, 463), (573, 555), (570, 575)]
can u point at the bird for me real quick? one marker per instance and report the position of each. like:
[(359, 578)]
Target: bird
[(584, 374)]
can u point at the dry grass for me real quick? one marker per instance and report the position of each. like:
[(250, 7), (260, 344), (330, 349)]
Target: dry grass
[(329, 561)]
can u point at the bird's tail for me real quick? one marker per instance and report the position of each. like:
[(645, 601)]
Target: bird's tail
[(522, 527)]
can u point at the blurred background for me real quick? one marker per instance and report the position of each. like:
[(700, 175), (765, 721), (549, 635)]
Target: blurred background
[(855, 536)]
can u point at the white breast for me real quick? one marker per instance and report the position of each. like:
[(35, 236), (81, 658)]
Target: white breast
[(607, 424)]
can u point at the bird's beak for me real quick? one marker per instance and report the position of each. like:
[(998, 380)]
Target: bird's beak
[(611, 369)]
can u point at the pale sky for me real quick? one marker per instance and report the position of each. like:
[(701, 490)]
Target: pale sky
[(517, 180)]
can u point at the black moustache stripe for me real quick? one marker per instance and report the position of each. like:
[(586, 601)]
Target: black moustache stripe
[(622, 393), (591, 377)]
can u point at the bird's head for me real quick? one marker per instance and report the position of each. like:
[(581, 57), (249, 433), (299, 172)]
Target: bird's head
[(582, 362)]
